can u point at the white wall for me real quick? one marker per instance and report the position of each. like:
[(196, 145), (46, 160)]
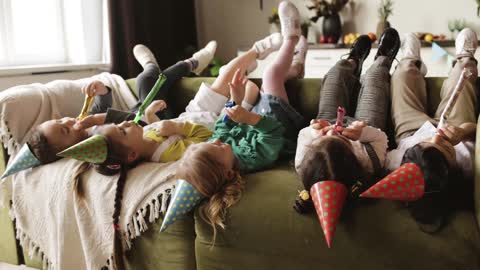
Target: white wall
[(238, 23)]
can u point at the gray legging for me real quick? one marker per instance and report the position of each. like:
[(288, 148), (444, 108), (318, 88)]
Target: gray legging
[(340, 88)]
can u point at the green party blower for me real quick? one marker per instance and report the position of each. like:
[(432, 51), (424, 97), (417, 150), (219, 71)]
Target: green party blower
[(148, 100)]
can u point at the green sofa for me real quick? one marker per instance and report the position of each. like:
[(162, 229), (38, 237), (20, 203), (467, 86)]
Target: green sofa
[(264, 232)]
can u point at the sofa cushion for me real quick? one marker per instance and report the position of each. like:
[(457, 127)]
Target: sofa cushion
[(265, 232)]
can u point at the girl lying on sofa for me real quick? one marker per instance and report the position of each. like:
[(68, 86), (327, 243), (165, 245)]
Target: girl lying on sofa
[(56, 135), (249, 140), (120, 147)]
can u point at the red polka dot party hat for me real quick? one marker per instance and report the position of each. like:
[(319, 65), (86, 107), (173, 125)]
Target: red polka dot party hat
[(328, 198), (404, 184)]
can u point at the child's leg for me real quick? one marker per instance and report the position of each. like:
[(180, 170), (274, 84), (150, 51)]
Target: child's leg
[(339, 87), (251, 95), (409, 98), (374, 97), (220, 85), (275, 75), (465, 109)]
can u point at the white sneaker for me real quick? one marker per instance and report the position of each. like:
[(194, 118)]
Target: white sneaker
[(466, 43), (268, 45), (411, 49), (289, 19), (143, 55), (300, 51), (204, 56)]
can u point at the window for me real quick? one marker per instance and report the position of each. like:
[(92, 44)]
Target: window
[(47, 32)]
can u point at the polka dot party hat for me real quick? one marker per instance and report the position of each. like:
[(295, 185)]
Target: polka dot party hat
[(185, 198), (93, 150), (328, 198), (25, 159), (404, 184)]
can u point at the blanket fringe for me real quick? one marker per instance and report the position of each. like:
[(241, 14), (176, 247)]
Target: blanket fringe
[(7, 138), (138, 223), (33, 250)]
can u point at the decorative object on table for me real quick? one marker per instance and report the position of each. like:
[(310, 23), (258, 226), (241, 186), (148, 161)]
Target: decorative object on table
[(404, 184), (332, 25), (274, 21), (305, 28), (456, 25), (384, 11), (438, 53), (349, 38)]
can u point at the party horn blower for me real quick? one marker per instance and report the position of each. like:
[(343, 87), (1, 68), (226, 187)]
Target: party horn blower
[(454, 97), (150, 97), (93, 150), (404, 184), (25, 159), (328, 198), (185, 198), (340, 116), (86, 107)]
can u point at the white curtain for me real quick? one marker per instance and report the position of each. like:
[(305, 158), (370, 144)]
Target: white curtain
[(47, 32)]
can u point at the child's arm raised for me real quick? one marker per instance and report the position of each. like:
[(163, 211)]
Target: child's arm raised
[(152, 109)]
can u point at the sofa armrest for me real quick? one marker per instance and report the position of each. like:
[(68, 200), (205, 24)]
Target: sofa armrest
[(476, 184)]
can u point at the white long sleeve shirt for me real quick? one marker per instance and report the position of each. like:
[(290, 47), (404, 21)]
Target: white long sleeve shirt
[(377, 139)]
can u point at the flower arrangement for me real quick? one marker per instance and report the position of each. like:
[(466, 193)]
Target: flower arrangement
[(324, 8), (274, 17), (385, 10)]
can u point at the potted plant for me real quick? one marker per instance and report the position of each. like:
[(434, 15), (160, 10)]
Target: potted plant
[(274, 21), (384, 11), (332, 26)]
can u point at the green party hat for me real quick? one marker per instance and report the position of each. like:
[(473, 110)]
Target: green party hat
[(93, 150), (25, 159), (185, 198)]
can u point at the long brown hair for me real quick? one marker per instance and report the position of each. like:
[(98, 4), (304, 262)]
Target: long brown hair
[(41, 148), (328, 158), (208, 176), (115, 163)]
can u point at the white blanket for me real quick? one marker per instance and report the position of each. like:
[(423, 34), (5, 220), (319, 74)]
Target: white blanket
[(66, 232), (69, 232)]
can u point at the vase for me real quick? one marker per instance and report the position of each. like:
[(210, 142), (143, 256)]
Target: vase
[(274, 28), (332, 27), (381, 27)]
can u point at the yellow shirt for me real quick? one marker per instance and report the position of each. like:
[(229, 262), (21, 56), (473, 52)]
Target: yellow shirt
[(172, 148)]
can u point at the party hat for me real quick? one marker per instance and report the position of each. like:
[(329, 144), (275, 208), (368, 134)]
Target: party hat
[(404, 184), (93, 150), (328, 198), (185, 198), (23, 160)]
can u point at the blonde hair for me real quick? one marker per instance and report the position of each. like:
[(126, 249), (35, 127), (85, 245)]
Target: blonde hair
[(209, 177)]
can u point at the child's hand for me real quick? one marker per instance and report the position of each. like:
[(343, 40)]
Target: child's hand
[(237, 87), (452, 134), (168, 128), (156, 106), (354, 130), (95, 88), (318, 124), (90, 121), (240, 115)]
